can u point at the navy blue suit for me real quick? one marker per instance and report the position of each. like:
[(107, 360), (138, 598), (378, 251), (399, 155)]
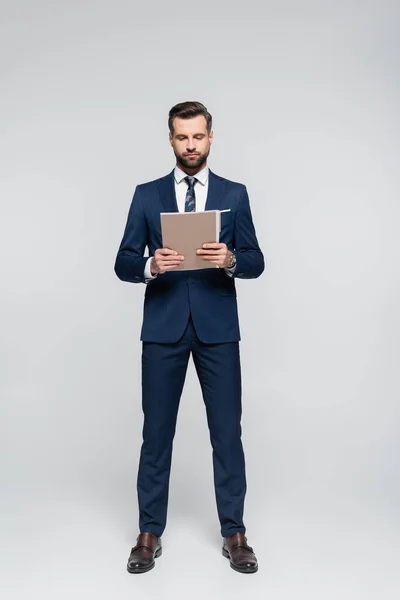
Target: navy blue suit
[(190, 312)]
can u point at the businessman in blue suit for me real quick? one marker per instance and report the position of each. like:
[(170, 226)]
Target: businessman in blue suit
[(190, 312)]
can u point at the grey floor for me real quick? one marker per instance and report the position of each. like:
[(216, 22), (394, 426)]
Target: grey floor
[(60, 542)]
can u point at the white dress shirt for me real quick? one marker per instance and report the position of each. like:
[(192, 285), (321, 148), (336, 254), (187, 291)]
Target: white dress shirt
[(181, 188)]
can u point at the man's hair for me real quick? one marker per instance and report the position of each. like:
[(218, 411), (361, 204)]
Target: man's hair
[(188, 110)]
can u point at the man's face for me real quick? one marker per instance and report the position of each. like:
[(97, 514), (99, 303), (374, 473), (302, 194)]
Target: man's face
[(191, 142)]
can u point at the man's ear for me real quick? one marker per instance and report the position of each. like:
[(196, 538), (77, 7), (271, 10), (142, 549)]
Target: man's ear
[(170, 138), (211, 136)]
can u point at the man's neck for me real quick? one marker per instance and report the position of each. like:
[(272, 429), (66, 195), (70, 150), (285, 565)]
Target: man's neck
[(190, 171)]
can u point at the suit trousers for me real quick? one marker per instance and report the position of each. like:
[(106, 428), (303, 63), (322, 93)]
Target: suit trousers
[(164, 369)]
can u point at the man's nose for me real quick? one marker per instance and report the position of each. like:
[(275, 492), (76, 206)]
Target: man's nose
[(191, 145)]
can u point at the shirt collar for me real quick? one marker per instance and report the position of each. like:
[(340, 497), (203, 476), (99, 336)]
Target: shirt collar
[(201, 176)]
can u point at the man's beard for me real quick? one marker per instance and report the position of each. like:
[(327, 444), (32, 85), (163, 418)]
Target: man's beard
[(192, 163)]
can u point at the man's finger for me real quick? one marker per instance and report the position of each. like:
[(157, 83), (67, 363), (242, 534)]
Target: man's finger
[(212, 251), (169, 267), (214, 245), (167, 251), (168, 259), (214, 261)]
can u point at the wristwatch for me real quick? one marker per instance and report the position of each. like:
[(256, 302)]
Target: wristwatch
[(232, 262)]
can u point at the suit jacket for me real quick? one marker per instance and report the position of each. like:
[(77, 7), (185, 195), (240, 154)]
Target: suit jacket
[(209, 295)]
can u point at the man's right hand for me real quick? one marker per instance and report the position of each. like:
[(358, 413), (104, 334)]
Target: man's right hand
[(164, 260)]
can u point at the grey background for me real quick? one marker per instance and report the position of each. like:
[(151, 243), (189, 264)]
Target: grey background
[(305, 100)]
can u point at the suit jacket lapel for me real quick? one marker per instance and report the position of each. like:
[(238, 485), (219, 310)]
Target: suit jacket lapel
[(216, 189), (166, 186)]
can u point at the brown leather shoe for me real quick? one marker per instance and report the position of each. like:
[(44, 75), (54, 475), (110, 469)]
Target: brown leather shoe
[(148, 547), (241, 556)]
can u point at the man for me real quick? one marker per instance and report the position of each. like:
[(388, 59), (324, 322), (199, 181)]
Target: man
[(190, 312)]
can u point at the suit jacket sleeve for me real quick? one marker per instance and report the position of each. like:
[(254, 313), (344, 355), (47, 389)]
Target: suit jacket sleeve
[(249, 258), (130, 262)]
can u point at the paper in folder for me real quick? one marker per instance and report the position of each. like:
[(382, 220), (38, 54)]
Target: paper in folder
[(185, 232)]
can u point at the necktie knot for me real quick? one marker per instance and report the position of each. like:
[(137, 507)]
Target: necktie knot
[(190, 181)]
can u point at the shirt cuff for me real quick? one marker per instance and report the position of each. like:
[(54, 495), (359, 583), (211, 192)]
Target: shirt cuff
[(230, 271), (147, 272)]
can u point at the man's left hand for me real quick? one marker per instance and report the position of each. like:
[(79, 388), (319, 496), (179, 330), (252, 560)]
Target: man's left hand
[(215, 253)]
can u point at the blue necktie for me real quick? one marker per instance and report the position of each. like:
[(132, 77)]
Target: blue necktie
[(190, 200)]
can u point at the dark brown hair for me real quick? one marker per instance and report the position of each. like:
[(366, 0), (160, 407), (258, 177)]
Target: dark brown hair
[(188, 110)]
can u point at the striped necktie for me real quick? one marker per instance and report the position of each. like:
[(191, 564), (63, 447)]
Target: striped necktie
[(190, 200)]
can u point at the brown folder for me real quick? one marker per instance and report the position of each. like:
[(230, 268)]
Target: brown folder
[(187, 231)]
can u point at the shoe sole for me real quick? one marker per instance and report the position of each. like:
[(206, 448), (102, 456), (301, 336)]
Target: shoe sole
[(144, 569), (237, 569)]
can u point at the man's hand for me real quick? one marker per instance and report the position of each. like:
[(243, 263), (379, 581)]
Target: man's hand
[(164, 260), (217, 254)]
